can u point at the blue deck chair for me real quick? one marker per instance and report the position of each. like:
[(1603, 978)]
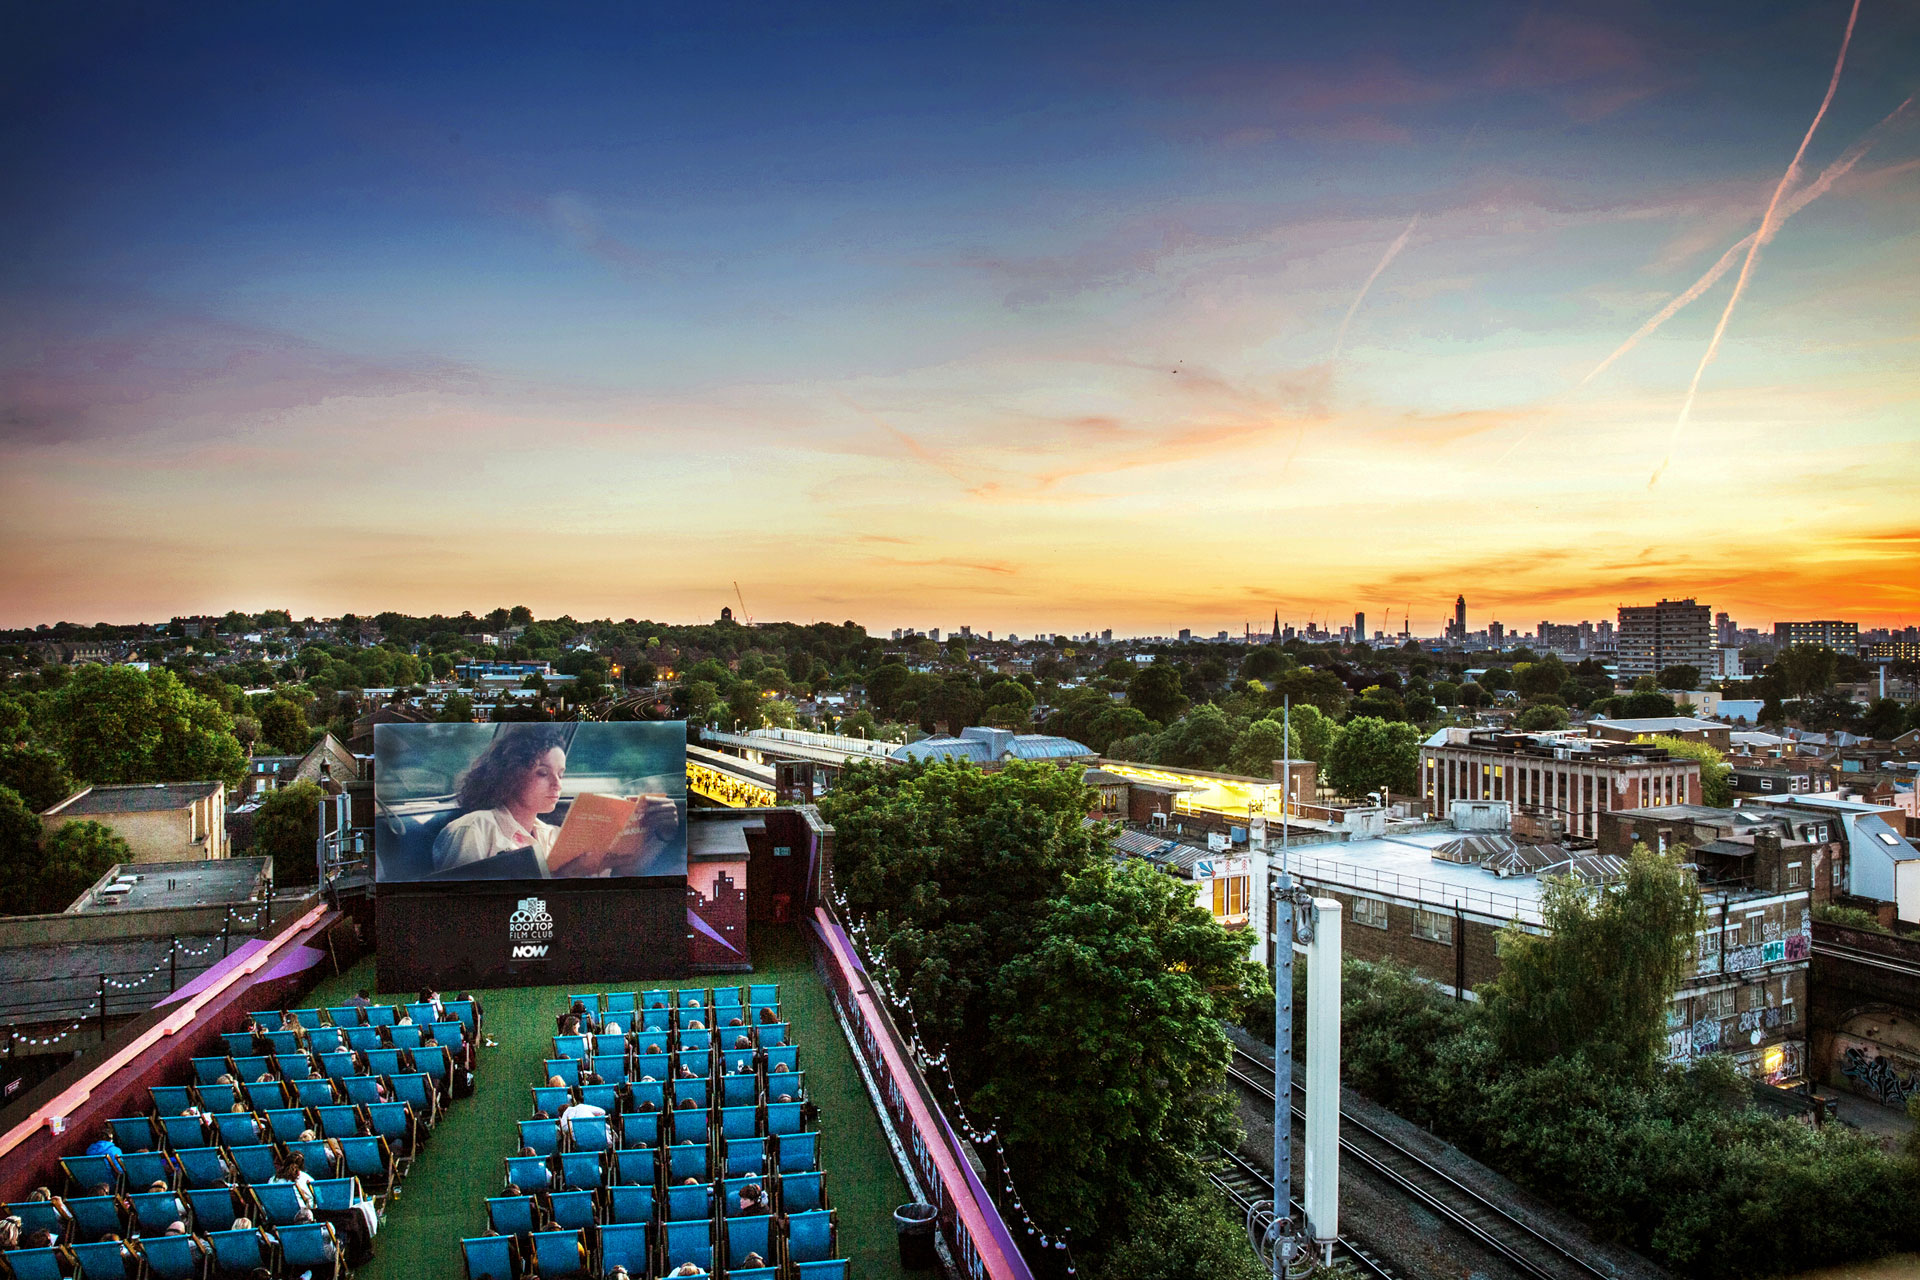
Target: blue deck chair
[(336, 1121), (611, 1068), (792, 1083), (394, 1121), (417, 1092), (654, 1091), (408, 1038), (698, 1061), (325, 1040), (85, 1172), (590, 1002), (657, 998), (629, 1204), (154, 1210), (582, 1170), (174, 1257), (494, 1256), (784, 1117), (214, 1208), (362, 1091), (364, 1039), (449, 1033), (786, 1055), (824, 1269), (314, 1093), (294, 1066), (311, 1248), (463, 1010), (288, 1122), (568, 1069), (511, 1215), (606, 1046), (172, 1099), (338, 1065), (746, 1155), (802, 1193), (144, 1168), (96, 1216), (345, 1015), (336, 1195), (655, 1022), (739, 1122), (752, 1234), (688, 1242), (686, 1203), (203, 1166), (753, 1273), (695, 1042), (687, 1124), (591, 1133), (266, 1095), (215, 1097), (730, 1198), (726, 998), (308, 1018), (320, 1161), (368, 1159), (529, 1173), (689, 1160), (770, 1034), (640, 1129), (208, 1070), (383, 1062), (254, 1163), (542, 1135), (633, 1167), (560, 1253), (694, 998), (695, 1089), (739, 1090), (604, 1096), (436, 1064), (283, 1042), (238, 1043), (421, 1014), (763, 993), (551, 1100), (811, 1237), (657, 1065), (380, 1015), (107, 1260), (40, 1264), (41, 1215), (799, 1152), (624, 1244), (241, 1250), (133, 1133), (574, 1210), (253, 1067), (619, 1004), (279, 1202)]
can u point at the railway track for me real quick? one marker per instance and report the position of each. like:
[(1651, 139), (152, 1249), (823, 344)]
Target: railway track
[(1522, 1247), (1246, 1184)]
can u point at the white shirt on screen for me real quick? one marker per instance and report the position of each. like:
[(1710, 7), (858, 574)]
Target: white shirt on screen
[(477, 836)]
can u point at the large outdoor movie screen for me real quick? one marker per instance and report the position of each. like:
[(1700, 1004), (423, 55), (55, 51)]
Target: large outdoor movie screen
[(529, 801)]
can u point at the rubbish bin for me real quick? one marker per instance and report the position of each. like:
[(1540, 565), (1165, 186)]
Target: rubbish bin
[(915, 1225)]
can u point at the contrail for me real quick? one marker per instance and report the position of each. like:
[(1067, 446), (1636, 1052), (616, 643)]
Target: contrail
[(1393, 251), (1795, 203), (1765, 233)]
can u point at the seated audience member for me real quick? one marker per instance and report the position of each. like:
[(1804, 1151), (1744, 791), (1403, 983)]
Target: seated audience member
[(752, 1200)]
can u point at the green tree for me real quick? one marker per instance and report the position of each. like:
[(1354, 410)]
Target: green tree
[(1157, 692), (72, 857), (15, 723), (457, 709), (1544, 676), (1369, 754), (1716, 775), (1200, 739), (1313, 731), (1473, 694), (1539, 719), (1681, 675), (37, 774), (1112, 724), (283, 725), (19, 853), (286, 828), (120, 725), (1597, 981), (1805, 670), (1258, 746), (1884, 719), (1307, 686), (1106, 1049), (1178, 1237)]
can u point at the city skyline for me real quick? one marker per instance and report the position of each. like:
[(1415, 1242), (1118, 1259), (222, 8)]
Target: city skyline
[(1072, 319)]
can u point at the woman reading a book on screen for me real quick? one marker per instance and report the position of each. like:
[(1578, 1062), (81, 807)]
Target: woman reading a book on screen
[(502, 795)]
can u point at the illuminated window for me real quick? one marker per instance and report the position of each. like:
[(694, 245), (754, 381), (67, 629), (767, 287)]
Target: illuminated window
[(1371, 912), (1434, 926), (1229, 896)]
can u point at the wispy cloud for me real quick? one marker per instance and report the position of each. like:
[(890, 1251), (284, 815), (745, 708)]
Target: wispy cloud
[(1393, 251)]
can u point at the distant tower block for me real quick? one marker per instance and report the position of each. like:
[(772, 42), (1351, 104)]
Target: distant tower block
[(1460, 617), (1360, 626)]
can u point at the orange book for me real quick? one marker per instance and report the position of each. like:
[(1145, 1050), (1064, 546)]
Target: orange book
[(595, 824)]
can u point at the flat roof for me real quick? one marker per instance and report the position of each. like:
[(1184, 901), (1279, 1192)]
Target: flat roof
[(140, 798), (60, 982), (1656, 724), (208, 882), (1403, 866)]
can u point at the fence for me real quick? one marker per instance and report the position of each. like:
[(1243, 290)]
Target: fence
[(1351, 876)]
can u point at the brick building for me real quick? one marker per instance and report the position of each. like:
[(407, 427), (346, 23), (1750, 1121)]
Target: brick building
[(1551, 776), (161, 821)]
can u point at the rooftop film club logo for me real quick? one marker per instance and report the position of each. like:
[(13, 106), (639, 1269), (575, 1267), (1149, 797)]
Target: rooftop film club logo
[(530, 930)]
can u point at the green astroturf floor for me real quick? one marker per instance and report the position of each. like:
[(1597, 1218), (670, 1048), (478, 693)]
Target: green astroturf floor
[(444, 1197)]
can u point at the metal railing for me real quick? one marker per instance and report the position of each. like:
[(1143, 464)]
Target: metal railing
[(1436, 894)]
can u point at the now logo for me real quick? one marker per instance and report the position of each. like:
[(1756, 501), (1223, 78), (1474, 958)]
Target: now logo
[(528, 951)]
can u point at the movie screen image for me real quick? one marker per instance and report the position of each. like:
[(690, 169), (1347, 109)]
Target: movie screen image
[(529, 801)]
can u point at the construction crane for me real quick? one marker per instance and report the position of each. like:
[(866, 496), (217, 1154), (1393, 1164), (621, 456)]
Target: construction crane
[(746, 619)]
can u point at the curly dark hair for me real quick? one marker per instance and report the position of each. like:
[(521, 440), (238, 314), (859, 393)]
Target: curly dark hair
[(497, 774)]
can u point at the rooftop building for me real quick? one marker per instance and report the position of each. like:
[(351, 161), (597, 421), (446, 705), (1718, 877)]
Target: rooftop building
[(991, 748), (147, 886), (161, 822), (1553, 777)]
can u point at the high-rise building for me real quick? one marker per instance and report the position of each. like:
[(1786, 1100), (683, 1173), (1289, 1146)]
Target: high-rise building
[(1667, 634), (1841, 637), (1460, 618), (1186, 634), (1359, 626), (1725, 630), (1496, 635)]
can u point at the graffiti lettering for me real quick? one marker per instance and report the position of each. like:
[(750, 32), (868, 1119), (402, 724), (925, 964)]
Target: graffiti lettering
[(1706, 1035), (1797, 948), (1876, 1076)]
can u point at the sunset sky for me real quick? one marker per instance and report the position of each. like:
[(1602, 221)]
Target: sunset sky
[(972, 316)]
